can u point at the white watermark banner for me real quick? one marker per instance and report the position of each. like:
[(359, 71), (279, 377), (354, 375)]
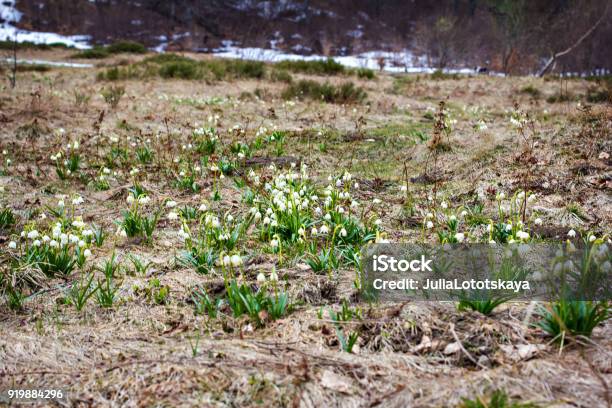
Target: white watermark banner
[(557, 271)]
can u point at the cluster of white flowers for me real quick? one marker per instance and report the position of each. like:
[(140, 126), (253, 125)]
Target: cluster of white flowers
[(79, 237)]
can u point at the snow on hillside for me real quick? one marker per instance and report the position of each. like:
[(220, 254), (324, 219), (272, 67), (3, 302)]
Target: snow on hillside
[(9, 15), (403, 61)]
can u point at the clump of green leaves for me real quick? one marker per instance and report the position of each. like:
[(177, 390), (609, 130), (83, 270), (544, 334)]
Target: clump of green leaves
[(204, 304), (497, 399), (135, 222), (484, 306), (568, 318), (112, 95), (7, 219), (346, 93), (81, 291), (257, 304)]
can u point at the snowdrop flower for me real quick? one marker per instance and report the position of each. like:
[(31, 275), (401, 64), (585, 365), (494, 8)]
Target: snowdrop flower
[(376, 201), (144, 200), (60, 203), (314, 231), (46, 238), (78, 224), (343, 232), (492, 242), (236, 260), (327, 217), (571, 233), (274, 243), (203, 207), (460, 236), (78, 200), (36, 243), (444, 205), (226, 260), (261, 278), (452, 218), (377, 222), (266, 220), (130, 199), (172, 216), (33, 234), (53, 244), (538, 221), (429, 215), (324, 229), (273, 276), (170, 204), (429, 225), (592, 238), (403, 188), (356, 186), (12, 245), (522, 235), (87, 253), (501, 196)]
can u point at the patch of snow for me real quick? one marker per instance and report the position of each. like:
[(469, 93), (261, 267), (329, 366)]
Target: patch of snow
[(51, 63), (161, 47), (355, 33), (400, 62), (10, 15)]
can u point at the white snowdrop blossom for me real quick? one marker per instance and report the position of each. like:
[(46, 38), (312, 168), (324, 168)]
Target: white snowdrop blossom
[(523, 235)]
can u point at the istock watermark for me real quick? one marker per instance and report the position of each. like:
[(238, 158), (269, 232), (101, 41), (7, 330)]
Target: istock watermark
[(485, 272)]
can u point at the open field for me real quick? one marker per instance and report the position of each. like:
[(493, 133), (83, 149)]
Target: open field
[(167, 220)]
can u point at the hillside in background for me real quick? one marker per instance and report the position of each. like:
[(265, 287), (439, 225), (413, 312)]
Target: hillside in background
[(514, 36)]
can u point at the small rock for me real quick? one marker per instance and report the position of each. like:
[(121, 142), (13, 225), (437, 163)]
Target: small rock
[(335, 382), (452, 348)]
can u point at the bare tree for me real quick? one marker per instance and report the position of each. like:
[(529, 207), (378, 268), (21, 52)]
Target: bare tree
[(510, 17), (555, 55), (10, 60)]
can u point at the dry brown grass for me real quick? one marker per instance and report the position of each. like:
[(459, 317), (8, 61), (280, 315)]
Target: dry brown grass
[(139, 353)]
